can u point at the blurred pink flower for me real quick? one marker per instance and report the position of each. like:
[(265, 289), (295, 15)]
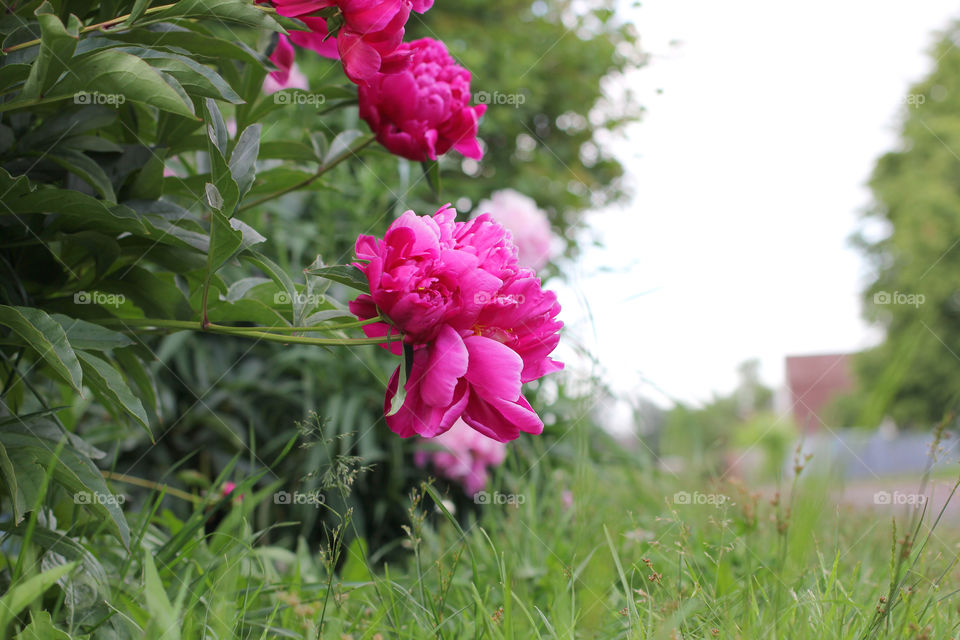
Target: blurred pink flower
[(464, 456), (527, 224), (423, 109), (287, 75), (475, 324), (368, 35)]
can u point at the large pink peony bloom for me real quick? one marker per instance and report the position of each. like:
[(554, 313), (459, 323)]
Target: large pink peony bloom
[(423, 110), (368, 35), (464, 456), (526, 222), (287, 75), (475, 325)]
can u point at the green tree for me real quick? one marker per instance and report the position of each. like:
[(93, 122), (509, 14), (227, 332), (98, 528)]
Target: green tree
[(910, 236)]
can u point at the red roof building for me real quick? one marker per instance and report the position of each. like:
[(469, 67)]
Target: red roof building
[(814, 381)]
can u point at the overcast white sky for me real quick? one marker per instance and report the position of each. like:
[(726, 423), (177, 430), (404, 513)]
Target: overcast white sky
[(764, 122)]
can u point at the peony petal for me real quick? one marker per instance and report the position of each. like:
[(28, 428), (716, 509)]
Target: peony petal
[(494, 369), (446, 364)]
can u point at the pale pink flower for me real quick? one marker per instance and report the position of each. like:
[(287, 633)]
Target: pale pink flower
[(287, 75), (464, 456), (527, 224)]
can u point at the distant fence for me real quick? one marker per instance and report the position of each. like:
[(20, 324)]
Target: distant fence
[(856, 453)]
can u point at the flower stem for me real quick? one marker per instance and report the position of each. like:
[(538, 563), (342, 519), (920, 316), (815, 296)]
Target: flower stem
[(307, 181), (260, 333)]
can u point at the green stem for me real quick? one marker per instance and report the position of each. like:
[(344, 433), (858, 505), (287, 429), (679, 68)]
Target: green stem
[(307, 181), (246, 332), (108, 23), (314, 329)]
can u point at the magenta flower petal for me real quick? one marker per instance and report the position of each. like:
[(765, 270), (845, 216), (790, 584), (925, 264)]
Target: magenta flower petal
[(478, 324), (416, 417), (494, 370), (447, 363)]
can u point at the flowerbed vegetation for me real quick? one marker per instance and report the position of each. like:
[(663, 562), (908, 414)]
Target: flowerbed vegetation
[(239, 328)]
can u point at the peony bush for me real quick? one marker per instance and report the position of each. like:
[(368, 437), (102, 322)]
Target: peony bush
[(162, 167)]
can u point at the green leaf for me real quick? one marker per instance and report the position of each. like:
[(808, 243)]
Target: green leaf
[(170, 35), (283, 280), (195, 78), (91, 212), (133, 367), (31, 442), (21, 497), (110, 387), (82, 166), (57, 44), (219, 171), (239, 11), (21, 594), (214, 199), (431, 169), (122, 74), (12, 74), (398, 398), (243, 159), (138, 8), (224, 241), (341, 145), (41, 628), (355, 569), (42, 334), (71, 122), (87, 335), (164, 617), (344, 274)]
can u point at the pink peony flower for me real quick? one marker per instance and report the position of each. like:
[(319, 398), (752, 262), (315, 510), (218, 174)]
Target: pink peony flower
[(287, 75), (423, 110), (475, 324), (526, 223), (464, 456), (367, 37)]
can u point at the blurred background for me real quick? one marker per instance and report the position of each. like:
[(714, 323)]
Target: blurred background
[(785, 265)]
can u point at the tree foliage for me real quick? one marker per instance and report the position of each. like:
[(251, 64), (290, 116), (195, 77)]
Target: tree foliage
[(910, 238)]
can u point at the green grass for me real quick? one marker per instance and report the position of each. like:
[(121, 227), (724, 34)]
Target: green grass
[(623, 561)]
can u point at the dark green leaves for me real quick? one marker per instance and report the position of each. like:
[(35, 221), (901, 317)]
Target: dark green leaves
[(344, 274), (57, 45), (47, 339), (126, 77)]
